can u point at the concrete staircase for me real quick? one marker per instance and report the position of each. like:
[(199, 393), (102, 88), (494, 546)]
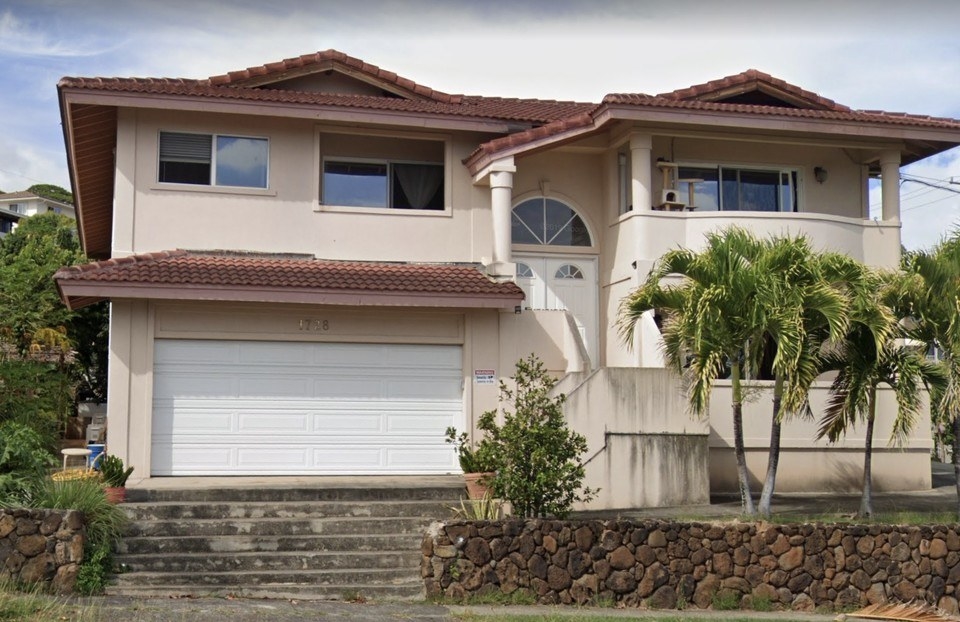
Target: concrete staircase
[(325, 540)]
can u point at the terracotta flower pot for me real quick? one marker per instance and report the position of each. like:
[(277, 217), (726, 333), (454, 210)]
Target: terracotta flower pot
[(477, 484), (115, 495)]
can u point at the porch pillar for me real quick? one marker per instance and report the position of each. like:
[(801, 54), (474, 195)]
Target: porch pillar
[(641, 146), (501, 204), (890, 184)]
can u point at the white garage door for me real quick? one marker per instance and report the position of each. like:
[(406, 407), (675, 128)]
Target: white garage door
[(280, 408)]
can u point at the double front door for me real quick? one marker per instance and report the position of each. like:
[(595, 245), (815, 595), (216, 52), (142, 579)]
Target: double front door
[(567, 283)]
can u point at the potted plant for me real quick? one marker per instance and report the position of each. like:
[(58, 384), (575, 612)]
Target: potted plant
[(114, 478), (477, 463)]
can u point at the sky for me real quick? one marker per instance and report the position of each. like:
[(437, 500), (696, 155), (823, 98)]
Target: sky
[(882, 54)]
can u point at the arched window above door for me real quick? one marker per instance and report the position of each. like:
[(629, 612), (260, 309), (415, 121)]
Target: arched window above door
[(548, 222)]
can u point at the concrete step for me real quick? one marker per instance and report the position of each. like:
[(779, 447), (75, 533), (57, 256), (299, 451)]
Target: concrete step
[(239, 544), (269, 562), (169, 510), (447, 494), (339, 578), (405, 591), (278, 526)]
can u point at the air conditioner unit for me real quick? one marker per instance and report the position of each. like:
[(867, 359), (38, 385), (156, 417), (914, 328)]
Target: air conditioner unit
[(670, 195)]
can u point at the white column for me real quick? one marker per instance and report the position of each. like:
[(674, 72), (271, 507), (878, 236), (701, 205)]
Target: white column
[(641, 146), (890, 184), (501, 199)]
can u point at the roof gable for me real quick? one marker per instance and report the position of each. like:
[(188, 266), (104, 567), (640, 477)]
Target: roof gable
[(755, 88), (330, 71)]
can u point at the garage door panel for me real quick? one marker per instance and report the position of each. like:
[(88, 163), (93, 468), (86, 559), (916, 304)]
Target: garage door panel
[(253, 385), (283, 458), (196, 351), (275, 354), (182, 385), (272, 423), (327, 408)]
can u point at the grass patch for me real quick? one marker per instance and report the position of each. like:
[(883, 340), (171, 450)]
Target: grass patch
[(760, 602), (725, 600), (33, 605)]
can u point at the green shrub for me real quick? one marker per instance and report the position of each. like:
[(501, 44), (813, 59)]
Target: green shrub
[(537, 457), (472, 459), (96, 567), (37, 395), (24, 463), (105, 521)]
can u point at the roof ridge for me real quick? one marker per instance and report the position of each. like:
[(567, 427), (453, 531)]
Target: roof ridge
[(278, 68), (700, 91)]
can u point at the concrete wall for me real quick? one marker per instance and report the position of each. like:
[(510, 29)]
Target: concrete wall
[(808, 465), (642, 450)]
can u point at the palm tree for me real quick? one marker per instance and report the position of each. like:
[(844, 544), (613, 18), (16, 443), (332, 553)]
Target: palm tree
[(866, 359), (931, 296), (811, 291), (714, 319)]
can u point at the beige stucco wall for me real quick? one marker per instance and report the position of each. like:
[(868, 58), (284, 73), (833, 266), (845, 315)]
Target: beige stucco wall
[(135, 325), (643, 451), (809, 465), (287, 217)]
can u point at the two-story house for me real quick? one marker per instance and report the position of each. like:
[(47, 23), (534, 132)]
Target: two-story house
[(315, 266), (17, 205)]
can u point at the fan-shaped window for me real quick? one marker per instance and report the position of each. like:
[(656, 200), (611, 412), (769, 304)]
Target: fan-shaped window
[(548, 222), (568, 271), (524, 271)]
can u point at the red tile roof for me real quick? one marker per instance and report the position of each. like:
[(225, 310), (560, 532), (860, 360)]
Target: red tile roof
[(198, 270), (529, 110), (749, 80), (320, 61)]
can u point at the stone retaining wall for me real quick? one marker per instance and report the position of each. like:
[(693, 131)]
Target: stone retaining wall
[(667, 564), (41, 546)]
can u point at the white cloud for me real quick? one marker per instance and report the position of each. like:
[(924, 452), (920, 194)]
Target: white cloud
[(19, 37), (22, 165)]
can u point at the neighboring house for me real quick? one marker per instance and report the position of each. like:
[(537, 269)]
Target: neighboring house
[(17, 205), (316, 265)]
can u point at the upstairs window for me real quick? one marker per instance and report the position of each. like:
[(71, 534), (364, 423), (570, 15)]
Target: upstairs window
[(738, 189), (386, 184), (213, 160), (548, 222)]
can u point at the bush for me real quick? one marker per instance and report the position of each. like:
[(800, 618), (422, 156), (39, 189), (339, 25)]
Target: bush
[(105, 521), (537, 458), (112, 471), (24, 463), (105, 524)]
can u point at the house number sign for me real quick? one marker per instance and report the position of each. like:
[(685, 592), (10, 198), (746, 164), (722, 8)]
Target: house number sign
[(315, 326)]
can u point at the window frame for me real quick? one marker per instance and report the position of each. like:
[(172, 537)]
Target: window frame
[(213, 161), (388, 163), (793, 173)]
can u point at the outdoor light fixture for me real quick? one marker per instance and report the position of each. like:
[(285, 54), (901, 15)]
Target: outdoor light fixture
[(820, 174)]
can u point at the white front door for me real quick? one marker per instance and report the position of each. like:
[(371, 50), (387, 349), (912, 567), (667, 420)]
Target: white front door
[(563, 284)]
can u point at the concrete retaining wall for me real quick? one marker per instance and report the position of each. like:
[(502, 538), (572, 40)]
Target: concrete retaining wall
[(41, 546), (667, 564)]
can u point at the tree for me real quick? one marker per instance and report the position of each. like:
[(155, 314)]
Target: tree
[(714, 320), (809, 296), (864, 360), (34, 320), (535, 456), (51, 191), (930, 295)]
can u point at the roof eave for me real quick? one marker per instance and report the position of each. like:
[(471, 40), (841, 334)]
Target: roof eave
[(324, 112), (76, 294)]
